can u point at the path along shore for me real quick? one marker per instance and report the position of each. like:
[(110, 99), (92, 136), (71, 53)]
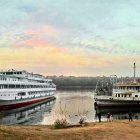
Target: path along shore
[(117, 130)]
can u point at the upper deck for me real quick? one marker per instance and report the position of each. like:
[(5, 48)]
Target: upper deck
[(22, 77), (126, 90), (127, 85)]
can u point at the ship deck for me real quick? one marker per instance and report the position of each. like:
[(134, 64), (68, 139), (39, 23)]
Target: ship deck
[(117, 98)]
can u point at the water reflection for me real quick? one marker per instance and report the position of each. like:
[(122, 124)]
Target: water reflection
[(71, 105), (29, 115), (118, 113)]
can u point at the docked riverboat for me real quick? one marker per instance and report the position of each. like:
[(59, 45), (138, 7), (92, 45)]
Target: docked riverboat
[(21, 88), (123, 94)]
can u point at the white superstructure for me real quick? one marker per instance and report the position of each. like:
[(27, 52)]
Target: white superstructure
[(126, 90), (24, 87)]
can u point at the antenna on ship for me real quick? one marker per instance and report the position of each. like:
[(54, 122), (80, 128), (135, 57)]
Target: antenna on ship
[(134, 72)]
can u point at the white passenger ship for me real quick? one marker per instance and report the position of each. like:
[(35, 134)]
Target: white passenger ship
[(124, 94), (20, 88)]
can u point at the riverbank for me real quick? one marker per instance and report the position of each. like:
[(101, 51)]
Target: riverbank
[(117, 130), (76, 88)]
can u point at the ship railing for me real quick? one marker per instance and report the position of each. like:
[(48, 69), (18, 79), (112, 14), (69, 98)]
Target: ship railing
[(117, 98), (22, 82), (126, 90), (21, 79)]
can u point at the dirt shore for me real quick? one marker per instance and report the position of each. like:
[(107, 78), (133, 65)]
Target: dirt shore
[(117, 130)]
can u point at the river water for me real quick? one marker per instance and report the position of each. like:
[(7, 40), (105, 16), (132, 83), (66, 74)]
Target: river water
[(69, 104)]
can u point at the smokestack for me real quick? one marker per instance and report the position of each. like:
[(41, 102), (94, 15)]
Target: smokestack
[(134, 72)]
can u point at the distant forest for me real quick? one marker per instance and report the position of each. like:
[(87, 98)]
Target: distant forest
[(72, 82)]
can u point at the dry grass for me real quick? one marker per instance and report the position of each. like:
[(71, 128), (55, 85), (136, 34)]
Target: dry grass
[(118, 130)]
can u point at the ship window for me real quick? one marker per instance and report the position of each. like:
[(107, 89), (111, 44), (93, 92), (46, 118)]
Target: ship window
[(21, 94), (136, 95), (118, 95), (9, 73), (5, 86), (11, 86)]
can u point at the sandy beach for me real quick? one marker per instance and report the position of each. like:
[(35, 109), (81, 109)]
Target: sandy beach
[(117, 130)]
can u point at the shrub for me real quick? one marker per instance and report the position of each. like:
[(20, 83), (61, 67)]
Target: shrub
[(82, 121), (59, 124)]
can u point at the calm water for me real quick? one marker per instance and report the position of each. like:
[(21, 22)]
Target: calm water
[(71, 105)]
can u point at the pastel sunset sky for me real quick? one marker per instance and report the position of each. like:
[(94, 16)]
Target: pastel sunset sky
[(70, 37)]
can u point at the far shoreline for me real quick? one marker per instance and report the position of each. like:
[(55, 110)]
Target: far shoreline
[(75, 87)]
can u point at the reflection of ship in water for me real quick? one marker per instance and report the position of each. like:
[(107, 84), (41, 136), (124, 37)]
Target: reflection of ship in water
[(29, 115), (118, 113)]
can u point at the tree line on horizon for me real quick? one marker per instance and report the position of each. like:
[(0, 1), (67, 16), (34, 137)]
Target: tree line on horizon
[(70, 82)]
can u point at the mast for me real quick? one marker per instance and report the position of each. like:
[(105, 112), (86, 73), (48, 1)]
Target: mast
[(96, 86), (134, 72)]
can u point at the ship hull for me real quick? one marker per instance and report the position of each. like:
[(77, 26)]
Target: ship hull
[(11, 104), (116, 103)]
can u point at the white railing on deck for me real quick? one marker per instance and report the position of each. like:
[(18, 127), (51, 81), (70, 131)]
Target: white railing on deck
[(117, 98), (126, 90)]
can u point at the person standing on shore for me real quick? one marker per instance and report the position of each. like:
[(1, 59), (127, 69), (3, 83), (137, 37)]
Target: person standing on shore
[(111, 118), (108, 116), (99, 116), (130, 116)]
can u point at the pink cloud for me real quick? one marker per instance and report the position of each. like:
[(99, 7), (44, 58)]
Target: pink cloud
[(48, 29), (45, 36)]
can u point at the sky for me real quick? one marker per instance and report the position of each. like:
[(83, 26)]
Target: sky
[(70, 37)]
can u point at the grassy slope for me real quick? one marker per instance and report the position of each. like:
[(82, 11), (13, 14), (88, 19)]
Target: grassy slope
[(118, 130)]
